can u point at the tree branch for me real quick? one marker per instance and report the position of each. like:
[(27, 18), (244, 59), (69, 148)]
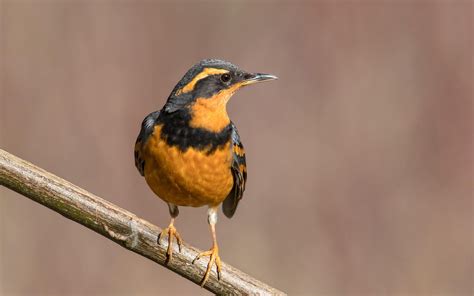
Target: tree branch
[(119, 225)]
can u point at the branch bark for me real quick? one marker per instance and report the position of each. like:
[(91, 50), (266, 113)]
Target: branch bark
[(119, 225)]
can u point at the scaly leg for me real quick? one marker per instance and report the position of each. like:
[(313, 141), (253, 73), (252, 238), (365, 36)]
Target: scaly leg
[(213, 253), (172, 232)]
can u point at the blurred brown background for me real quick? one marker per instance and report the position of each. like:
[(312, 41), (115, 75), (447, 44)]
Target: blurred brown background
[(360, 157)]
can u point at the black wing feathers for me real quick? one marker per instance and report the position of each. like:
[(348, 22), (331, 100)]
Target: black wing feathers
[(239, 173), (146, 130)]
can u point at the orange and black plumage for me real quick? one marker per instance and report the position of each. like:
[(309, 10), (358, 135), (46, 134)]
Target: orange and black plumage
[(190, 152)]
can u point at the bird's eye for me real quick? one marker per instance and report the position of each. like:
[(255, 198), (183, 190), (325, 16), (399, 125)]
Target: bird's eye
[(225, 77)]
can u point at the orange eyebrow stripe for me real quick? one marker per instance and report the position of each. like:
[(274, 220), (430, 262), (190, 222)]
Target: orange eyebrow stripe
[(204, 73)]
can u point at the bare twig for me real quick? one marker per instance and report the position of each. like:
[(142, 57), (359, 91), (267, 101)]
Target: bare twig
[(119, 225)]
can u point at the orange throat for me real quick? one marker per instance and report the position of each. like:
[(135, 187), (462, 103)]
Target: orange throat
[(210, 113)]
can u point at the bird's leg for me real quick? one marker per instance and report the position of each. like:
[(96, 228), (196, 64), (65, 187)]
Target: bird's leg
[(172, 232), (213, 253)]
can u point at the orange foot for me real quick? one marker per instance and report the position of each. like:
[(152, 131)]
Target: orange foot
[(172, 232), (213, 253)]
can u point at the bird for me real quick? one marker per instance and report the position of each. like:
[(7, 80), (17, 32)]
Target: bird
[(190, 152)]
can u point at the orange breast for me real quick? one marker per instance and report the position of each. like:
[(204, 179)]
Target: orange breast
[(191, 178)]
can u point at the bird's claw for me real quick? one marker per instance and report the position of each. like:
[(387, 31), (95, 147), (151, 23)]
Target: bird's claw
[(214, 258), (172, 232)]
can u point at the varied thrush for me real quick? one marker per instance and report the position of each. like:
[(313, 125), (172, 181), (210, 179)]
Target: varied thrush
[(190, 152)]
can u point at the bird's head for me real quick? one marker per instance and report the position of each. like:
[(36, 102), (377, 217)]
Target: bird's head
[(205, 90)]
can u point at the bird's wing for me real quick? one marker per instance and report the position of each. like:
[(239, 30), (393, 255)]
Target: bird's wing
[(239, 173), (146, 130)]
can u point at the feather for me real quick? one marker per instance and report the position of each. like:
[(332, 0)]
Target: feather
[(146, 130), (239, 173)]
